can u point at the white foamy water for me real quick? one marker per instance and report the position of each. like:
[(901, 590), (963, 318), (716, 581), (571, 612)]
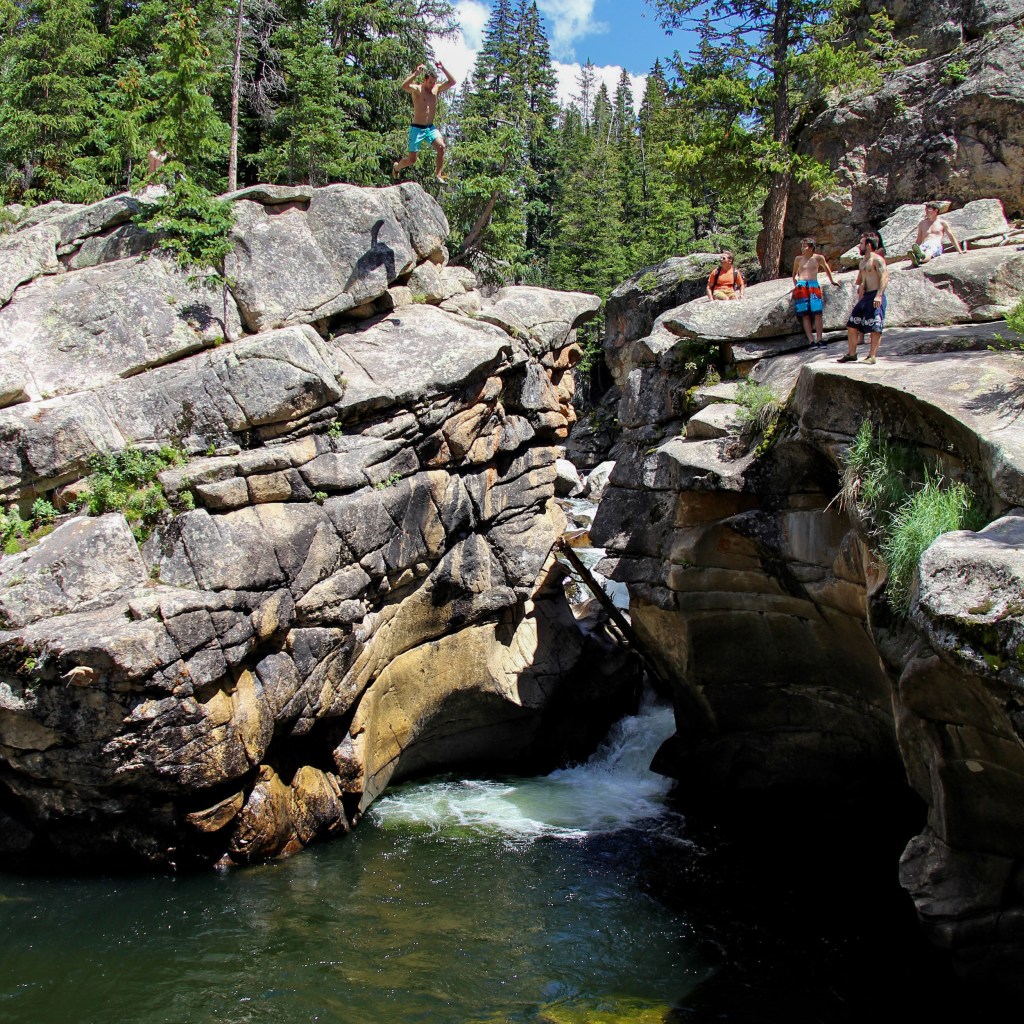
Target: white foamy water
[(613, 790)]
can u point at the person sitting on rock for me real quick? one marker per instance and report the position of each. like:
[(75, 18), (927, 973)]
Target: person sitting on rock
[(424, 107), (868, 315), (807, 289), (725, 281), (930, 234)]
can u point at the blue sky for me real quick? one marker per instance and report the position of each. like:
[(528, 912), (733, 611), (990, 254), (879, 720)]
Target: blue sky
[(612, 33)]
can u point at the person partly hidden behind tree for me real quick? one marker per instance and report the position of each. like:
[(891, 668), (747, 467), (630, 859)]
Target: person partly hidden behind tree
[(868, 315), (424, 107), (726, 281), (930, 235), (807, 289)]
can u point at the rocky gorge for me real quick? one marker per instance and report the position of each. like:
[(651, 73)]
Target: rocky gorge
[(353, 582), (761, 592)]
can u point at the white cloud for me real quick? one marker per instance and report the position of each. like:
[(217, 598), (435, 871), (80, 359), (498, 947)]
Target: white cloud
[(569, 20), (459, 54), (608, 73)]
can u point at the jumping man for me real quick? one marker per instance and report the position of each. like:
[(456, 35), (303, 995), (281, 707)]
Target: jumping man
[(424, 107)]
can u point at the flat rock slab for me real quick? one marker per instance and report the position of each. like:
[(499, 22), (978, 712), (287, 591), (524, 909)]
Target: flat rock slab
[(717, 420), (781, 373), (79, 330), (973, 398)]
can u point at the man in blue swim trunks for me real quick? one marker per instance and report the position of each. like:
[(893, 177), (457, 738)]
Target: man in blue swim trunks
[(868, 316), (807, 289), (424, 107)]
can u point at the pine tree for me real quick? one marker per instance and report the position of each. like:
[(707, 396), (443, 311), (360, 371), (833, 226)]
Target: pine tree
[(191, 129), (313, 121), (47, 103)]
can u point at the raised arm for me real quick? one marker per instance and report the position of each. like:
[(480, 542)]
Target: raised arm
[(450, 78), (407, 85)]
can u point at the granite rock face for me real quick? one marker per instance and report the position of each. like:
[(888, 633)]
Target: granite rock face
[(762, 596), (358, 584), (947, 127)]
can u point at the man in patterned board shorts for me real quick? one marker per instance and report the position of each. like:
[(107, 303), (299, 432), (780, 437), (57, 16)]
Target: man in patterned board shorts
[(424, 107), (868, 316), (807, 289)]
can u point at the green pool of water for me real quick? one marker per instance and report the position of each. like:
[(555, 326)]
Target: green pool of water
[(453, 901)]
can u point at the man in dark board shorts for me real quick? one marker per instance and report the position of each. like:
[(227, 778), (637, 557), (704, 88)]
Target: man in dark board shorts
[(868, 315), (424, 108)]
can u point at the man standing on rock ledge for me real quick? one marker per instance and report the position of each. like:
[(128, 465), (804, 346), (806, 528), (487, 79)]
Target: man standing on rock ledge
[(424, 108), (869, 313), (807, 289)]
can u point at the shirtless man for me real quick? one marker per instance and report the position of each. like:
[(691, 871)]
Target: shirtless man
[(807, 289), (930, 234), (869, 313), (424, 107)]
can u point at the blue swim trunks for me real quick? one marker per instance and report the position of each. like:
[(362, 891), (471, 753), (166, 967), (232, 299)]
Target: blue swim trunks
[(420, 134), (807, 296)]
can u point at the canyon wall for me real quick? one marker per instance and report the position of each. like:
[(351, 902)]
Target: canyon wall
[(761, 594), (353, 582)]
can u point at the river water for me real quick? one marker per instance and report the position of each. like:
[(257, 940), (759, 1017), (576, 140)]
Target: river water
[(577, 898), (452, 901)]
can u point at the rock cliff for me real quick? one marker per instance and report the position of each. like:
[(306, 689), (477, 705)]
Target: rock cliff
[(949, 126), (763, 596), (357, 584)]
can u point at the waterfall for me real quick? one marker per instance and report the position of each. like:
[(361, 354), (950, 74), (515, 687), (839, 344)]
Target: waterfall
[(612, 790)]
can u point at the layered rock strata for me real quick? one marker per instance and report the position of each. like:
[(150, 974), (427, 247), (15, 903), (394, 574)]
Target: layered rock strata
[(362, 588), (763, 599)]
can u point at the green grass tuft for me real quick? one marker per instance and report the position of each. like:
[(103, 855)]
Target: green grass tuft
[(921, 519)]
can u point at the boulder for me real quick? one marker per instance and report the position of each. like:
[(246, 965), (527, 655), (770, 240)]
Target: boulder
[(632, 307), (567, 480), (597, 480), (80, 330), (535, 317)]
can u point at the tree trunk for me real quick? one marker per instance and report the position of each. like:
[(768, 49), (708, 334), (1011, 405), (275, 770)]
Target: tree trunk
[(236, 86), (778, 190)]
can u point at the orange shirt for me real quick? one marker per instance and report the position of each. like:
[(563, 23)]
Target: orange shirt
[(730, 278)]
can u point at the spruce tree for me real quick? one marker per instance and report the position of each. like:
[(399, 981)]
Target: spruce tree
[(47, 104), (313, 121), (184, 79)]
